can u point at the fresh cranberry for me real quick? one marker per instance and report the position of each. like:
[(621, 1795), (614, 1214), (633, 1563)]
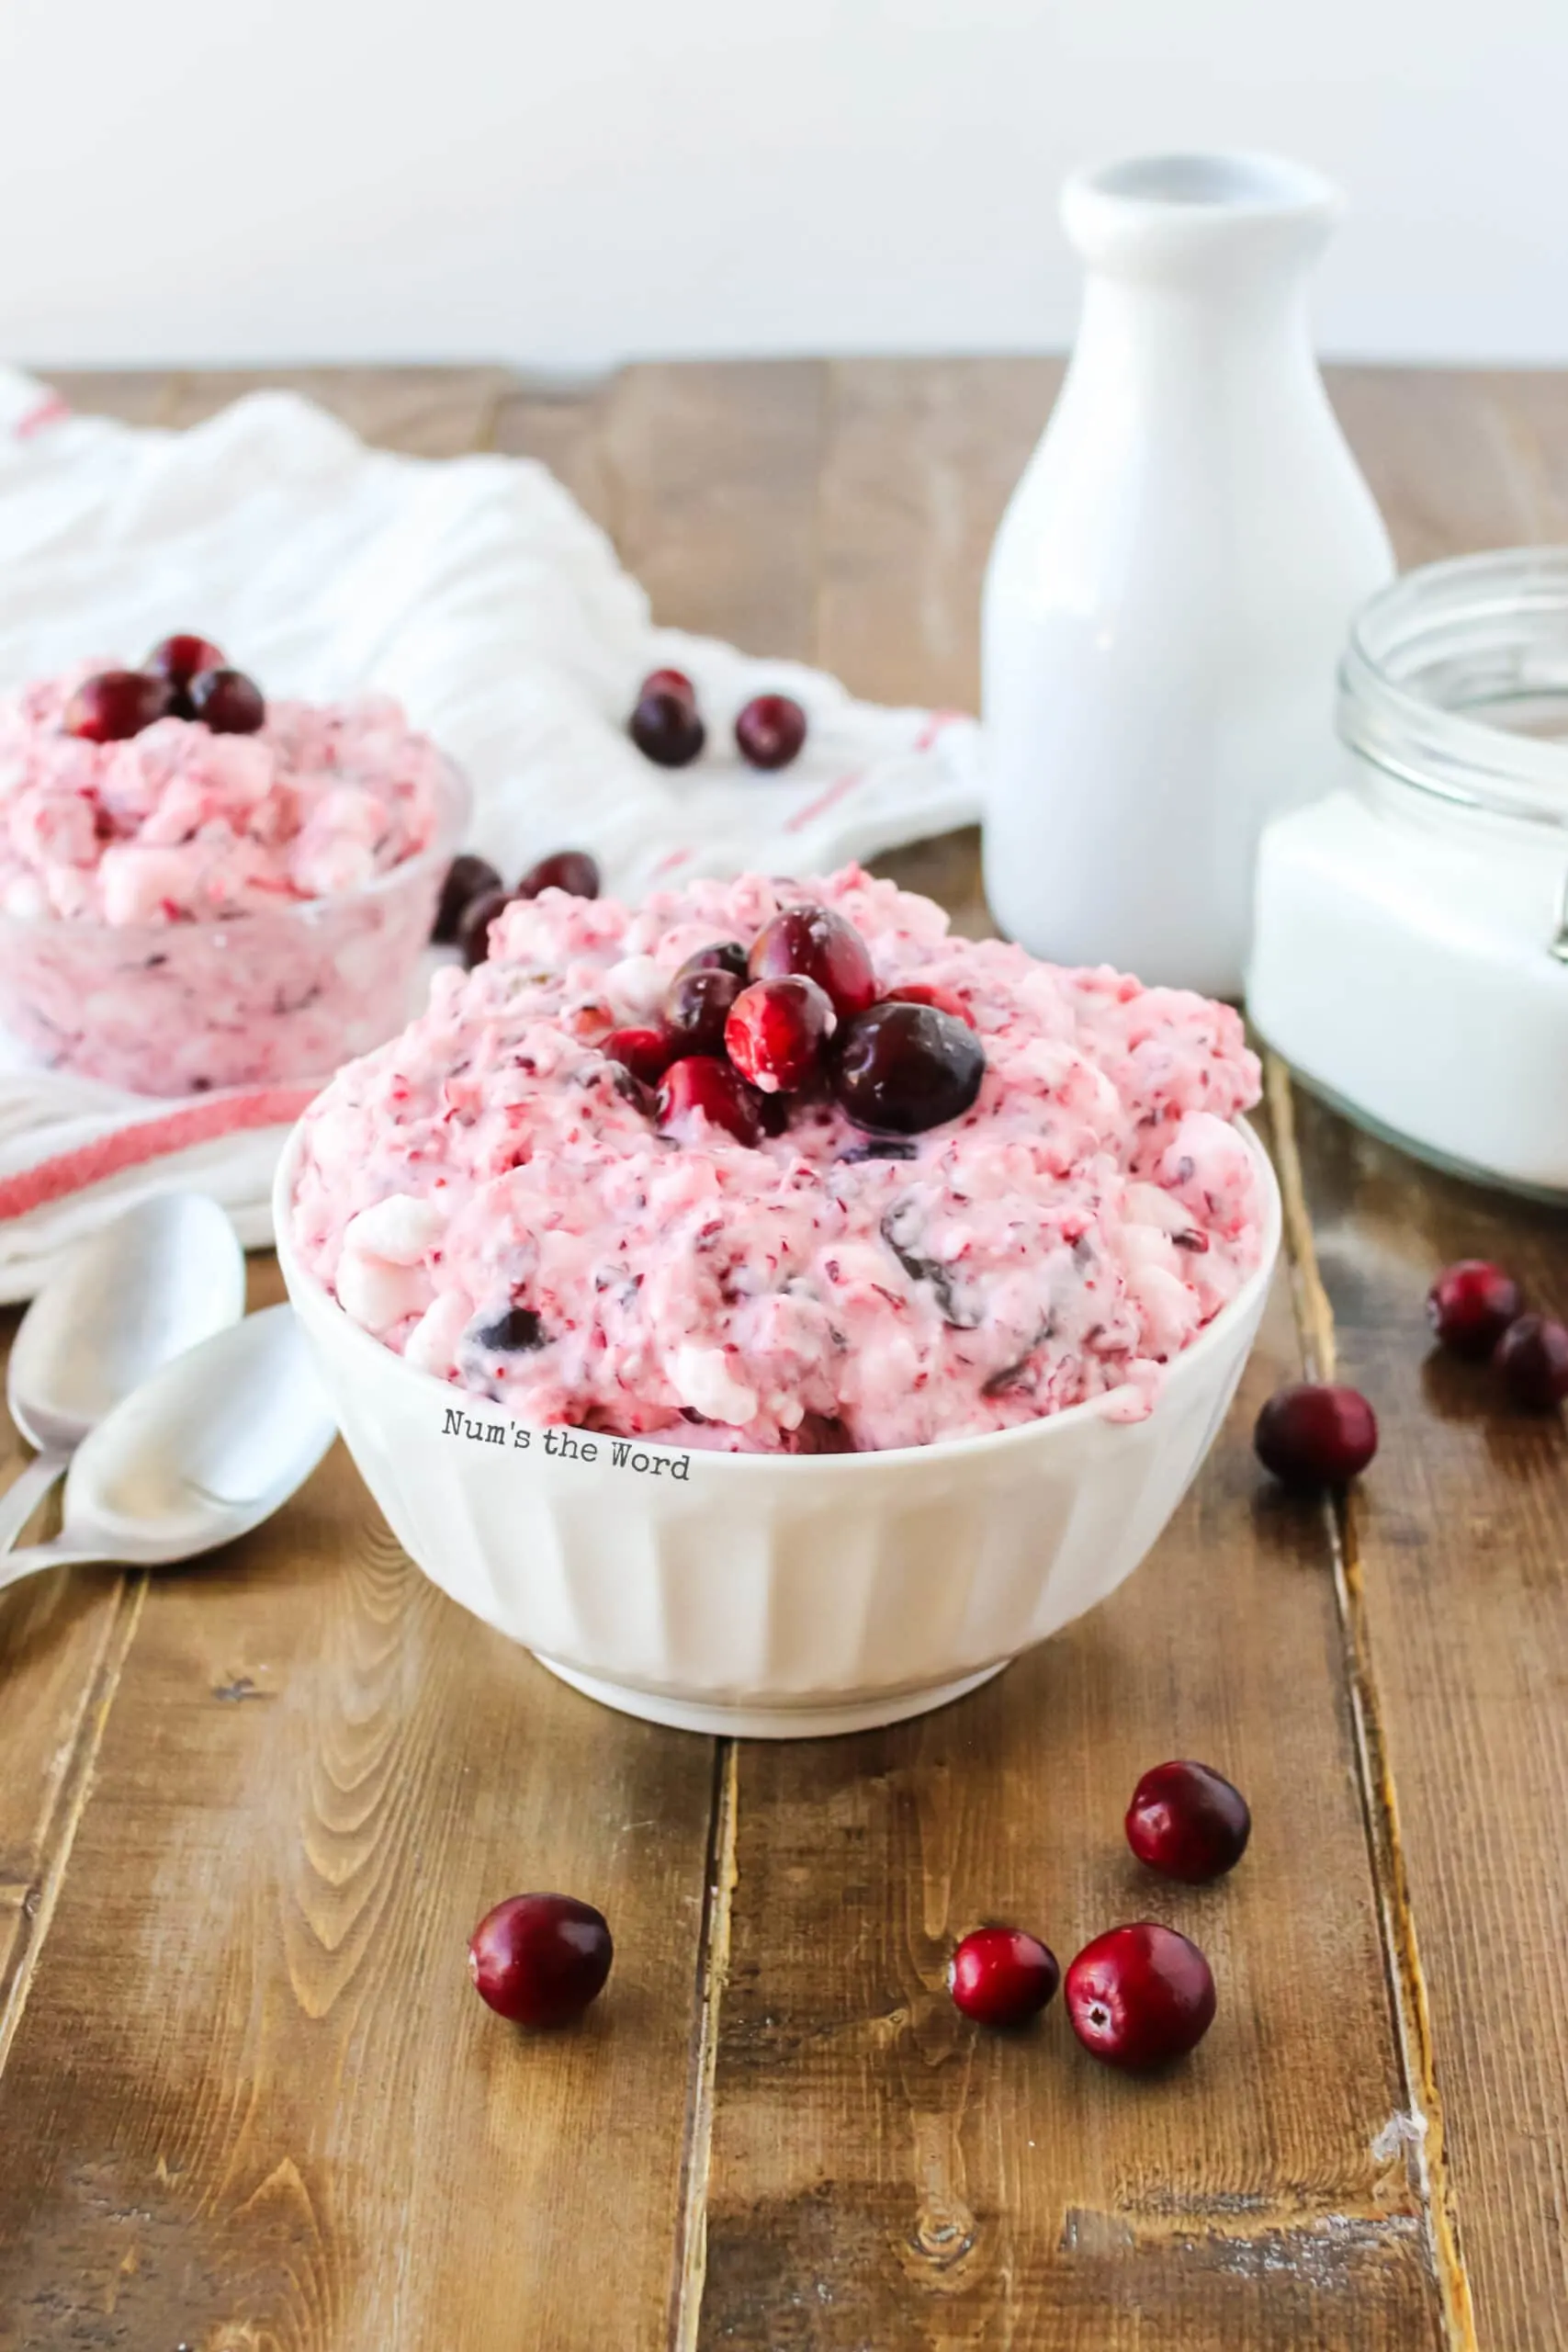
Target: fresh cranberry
[(540, 1958), (666, 729), (943, 999), (571, 870), (696, 1006), (1002, 1977), (180, 659), (645, 1052), (474, 922), (1532, 1356), (776, 1030), (823, 947), (905, 1068), (697, 1088), (1140, 1996), (1187, 1821), (227, 702), (116, 705), (769, 732), (724, 956), (466, 877), (1314, 1434), (1472, 1305), (668, 682)]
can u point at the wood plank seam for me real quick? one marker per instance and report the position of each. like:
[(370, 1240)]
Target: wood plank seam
[(75, 1784), (690, 2267), (1407, 1982)]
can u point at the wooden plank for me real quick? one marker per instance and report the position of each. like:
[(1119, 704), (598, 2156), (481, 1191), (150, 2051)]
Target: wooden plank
[(713, 483), (133, 395), (1460, 1552), (259, 2101), (921, 458), (1458, 458), (883, 2173), (424, 412), (562, 425)]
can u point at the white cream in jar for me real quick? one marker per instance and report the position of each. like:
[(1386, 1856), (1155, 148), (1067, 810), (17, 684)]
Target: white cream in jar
[(1411, 957)]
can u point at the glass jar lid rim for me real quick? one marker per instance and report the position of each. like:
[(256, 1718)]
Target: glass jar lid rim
[(1450, 755)]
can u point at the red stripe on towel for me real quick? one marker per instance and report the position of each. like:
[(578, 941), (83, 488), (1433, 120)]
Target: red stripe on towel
[(145, 1139), (824, 800), (52, 411)]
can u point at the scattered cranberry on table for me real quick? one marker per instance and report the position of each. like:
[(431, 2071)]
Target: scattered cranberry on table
[(698, 1088), (1470, 1305), (822, 946), (571, 870), (1002, 1977), (666, 729), (1189, 1821), (646, 1052), (474, 922), (903, 1068), (1532, 1360), (118, 704), (467, 877), (696, 1007), (1140, 1996), (769, 732), (1316, 1434), (668, 682), (540, 1958), (182, 658), (776, 1030)]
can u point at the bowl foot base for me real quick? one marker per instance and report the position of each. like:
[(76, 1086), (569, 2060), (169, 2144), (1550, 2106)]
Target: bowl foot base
[(742, 1721)]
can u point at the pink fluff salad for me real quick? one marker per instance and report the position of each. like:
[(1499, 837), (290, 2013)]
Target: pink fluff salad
[(187, 910), (485, 1180)]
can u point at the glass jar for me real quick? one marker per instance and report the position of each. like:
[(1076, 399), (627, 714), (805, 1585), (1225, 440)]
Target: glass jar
[(1410, 956)]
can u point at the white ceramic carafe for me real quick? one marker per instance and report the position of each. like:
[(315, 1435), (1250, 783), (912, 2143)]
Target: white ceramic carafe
[(1172, 583)]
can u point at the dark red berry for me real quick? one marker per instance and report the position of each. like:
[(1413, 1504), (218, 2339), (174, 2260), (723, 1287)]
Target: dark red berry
[(666, 729), (180, 659), (905, 1068), (466, 877), (668, 682), (1140, 1996), (540, 1958), (474, 922), (724, 956), (1470, 1305), (571, 870), (1002, 1977), (776, 1030), (695, 1008), (699, 1089), (1187, 1821), (645, 1052), (116, 705), (820, 944), (944, 1000), (227, 702), (1532, 1356), (769, 732), (1314, 1434)]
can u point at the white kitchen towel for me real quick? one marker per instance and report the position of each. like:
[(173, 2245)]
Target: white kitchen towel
[(476, 591)]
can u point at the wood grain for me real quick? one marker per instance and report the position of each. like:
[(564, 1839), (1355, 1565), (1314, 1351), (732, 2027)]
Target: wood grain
[(424, 412)]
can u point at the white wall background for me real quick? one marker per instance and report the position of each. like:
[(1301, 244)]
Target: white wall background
[(563, 183)]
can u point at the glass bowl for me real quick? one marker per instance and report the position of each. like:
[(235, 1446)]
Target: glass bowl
[(247, 1000)]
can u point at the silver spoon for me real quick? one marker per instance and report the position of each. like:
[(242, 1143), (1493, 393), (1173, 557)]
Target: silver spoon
[(200, 1453), (140, 1290)]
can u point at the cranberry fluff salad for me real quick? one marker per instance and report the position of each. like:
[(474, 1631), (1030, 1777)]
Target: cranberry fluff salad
[(779, 1167), (202, 888)]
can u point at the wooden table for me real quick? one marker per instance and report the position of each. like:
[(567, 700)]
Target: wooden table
[(249, 1813)]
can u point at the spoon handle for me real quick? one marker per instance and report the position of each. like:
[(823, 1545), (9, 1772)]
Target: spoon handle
[(24, 1493), (33, 1558)]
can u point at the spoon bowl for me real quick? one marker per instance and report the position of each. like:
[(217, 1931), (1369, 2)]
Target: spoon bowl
[(196, 1456)]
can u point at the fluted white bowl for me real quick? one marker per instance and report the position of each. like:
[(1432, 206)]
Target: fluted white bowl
[(762, 1595)]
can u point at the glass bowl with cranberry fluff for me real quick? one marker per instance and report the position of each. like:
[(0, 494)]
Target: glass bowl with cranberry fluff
[(783, 1353), (234, 899)]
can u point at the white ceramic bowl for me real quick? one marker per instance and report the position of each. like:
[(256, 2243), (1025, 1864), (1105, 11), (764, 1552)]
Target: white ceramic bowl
[(755, 1594)]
